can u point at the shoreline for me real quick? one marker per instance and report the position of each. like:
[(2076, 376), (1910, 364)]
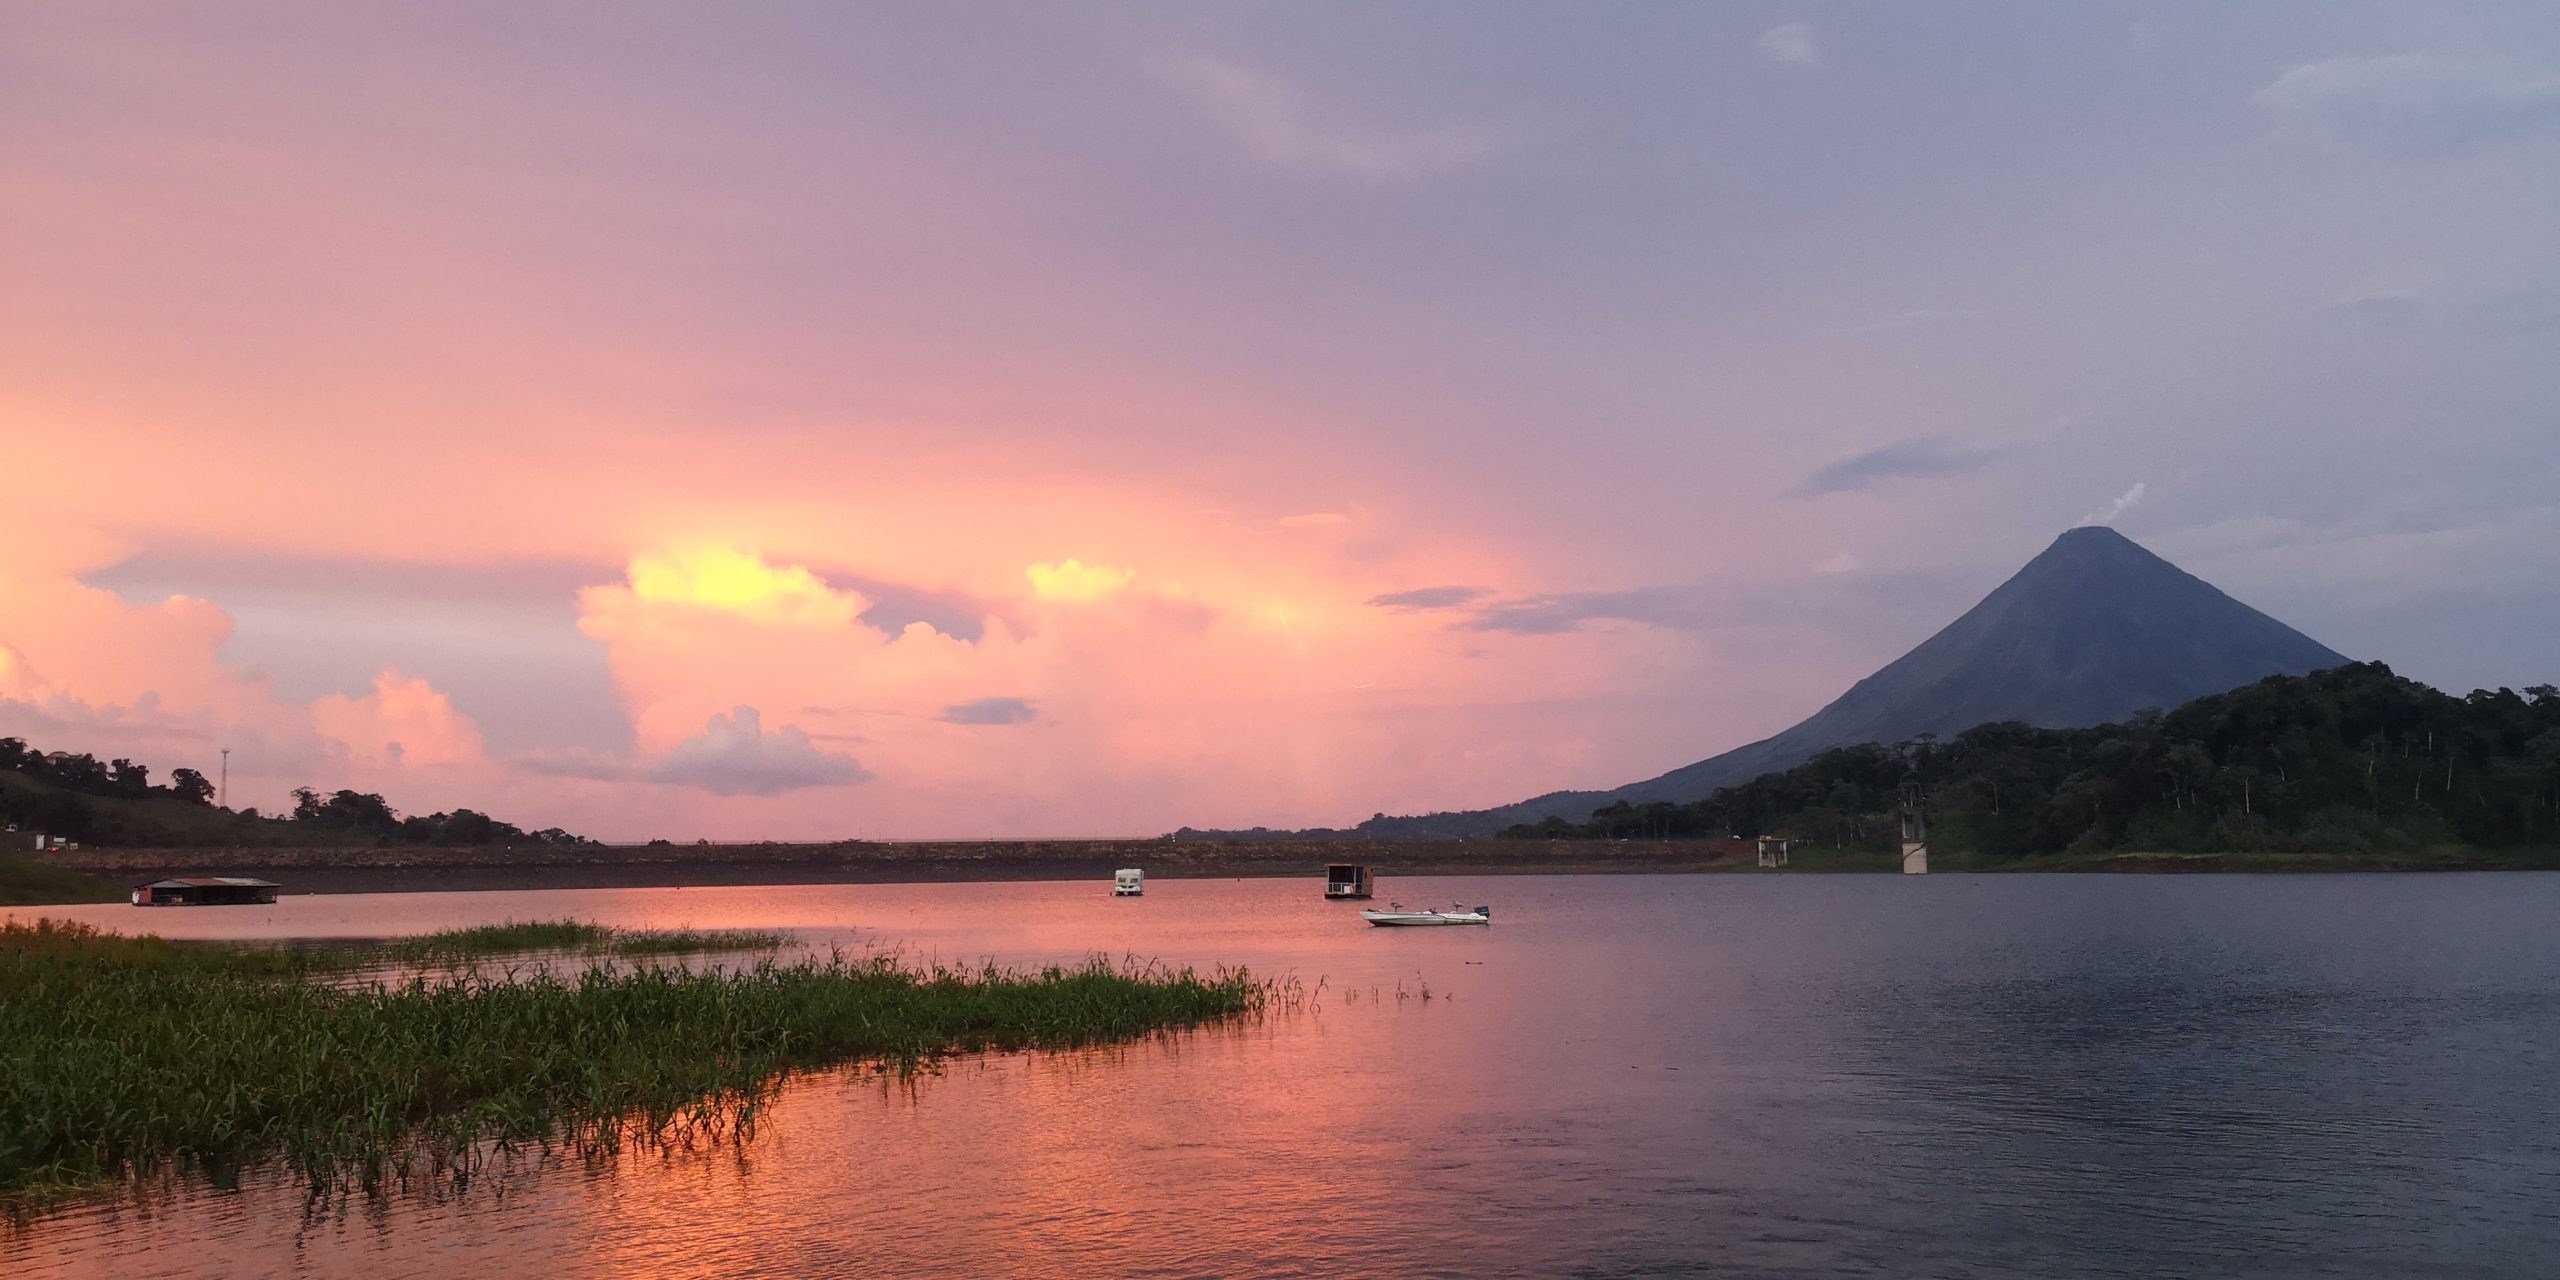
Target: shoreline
[(432, 869), (429, 869)]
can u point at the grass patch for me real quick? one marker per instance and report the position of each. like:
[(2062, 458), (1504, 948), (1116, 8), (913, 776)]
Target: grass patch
[(501, 939), (524, 936), (659, 942), (126, 1056), (25, 882)]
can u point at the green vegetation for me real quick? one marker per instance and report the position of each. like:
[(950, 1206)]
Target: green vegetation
[(26, 882), (501, 939), (126, 1055), (516, 937), (2349, 766), (660, 942), (114, 802)]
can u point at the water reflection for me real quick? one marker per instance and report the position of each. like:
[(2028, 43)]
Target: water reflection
[(1626, 1076)]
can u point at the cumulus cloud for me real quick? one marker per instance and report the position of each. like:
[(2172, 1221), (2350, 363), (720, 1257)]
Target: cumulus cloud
[(404, 721), (2109, 513), (768, 635), (82, 670), (1075, 581), (1428, 598), (742, 583), (991, 711), (2413, 102), (1286, 126), (1916, 458), (895, 606), (735, 756), (1791, 44), (17, 680)]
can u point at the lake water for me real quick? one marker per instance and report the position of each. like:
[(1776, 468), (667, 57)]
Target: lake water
[(1624, 1076)]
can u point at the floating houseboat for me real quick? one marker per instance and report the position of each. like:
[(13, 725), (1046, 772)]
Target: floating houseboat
[(1348, 880), (205, 891), (1128, 882)]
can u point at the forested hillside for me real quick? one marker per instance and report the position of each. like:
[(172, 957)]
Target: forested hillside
[(2351, 760)]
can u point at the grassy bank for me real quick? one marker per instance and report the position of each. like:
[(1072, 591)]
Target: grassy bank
[(25, 882), (126, 1055)]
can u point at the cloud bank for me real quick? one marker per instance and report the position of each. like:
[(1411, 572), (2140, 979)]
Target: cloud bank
[(1428, 598), (991, 711)]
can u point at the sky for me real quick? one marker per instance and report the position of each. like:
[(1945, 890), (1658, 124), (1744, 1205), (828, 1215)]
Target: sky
[(804, 421)]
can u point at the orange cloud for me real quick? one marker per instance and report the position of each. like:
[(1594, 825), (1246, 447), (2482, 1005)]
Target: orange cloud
[(1073, 581), (1261, 694), (741, 582), (404, 721), (68, 640)]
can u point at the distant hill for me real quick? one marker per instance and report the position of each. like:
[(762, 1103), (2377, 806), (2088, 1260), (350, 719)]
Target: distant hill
[(114, 803), (2089, 632)]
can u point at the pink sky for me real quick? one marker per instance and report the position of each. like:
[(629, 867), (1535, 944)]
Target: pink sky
[(827, 422)]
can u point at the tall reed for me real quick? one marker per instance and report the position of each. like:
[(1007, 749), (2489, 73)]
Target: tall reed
[(119, 1055)]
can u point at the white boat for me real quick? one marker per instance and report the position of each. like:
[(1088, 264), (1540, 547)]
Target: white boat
[(1459, 914), (1128, 882)]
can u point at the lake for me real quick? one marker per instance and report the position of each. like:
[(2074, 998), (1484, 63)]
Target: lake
[(1783, 1075)]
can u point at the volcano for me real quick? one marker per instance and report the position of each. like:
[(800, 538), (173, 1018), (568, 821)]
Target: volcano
[(2091, 631)]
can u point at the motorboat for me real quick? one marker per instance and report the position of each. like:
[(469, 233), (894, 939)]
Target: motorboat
[(1395, 914), (1128, 882)]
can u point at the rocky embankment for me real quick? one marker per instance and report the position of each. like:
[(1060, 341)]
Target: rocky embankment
[(398, 868)]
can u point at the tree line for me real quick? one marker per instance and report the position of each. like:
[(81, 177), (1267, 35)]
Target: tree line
[(2351, 760), (62, 808), (89, 776)]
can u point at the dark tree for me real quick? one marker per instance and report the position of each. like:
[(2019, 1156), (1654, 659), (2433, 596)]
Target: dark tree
[(190, 786), (352, 811), (130, 780)]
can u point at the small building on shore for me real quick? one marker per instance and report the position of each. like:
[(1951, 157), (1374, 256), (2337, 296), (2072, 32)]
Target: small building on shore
[(205, 891)]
